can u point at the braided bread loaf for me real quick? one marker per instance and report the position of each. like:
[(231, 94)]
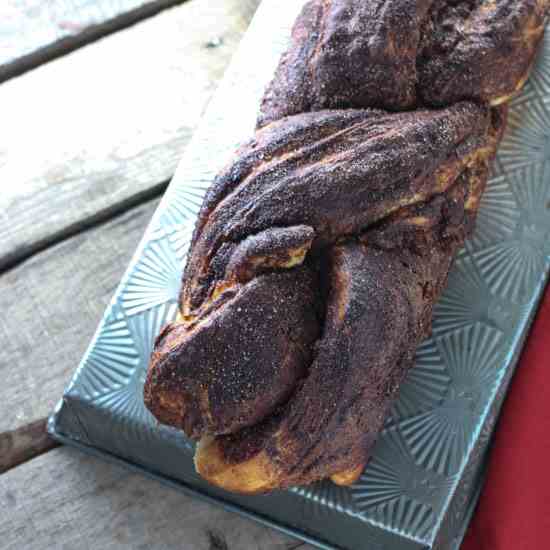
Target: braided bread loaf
[(320, 251)]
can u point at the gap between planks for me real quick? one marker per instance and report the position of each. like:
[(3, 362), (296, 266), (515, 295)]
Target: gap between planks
[(52, 289), (52, 304), (113, 133), (36, 34), (31, 440), (24, 443), (19, 256), (66, 499), (62, 342)]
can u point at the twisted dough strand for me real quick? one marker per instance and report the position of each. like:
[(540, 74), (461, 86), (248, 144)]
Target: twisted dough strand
[(320, 251)]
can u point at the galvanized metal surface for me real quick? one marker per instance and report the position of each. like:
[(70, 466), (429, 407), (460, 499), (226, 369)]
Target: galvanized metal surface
[(420, 487)]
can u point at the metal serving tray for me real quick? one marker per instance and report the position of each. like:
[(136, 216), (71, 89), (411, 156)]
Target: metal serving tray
[(423, 480)]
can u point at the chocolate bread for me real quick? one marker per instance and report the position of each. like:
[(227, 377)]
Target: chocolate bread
[(320, 251)]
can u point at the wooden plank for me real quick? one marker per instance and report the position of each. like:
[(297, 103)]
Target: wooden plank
[(65, 499), (51, 306), (34, 31), (18, 446), (101, 128)]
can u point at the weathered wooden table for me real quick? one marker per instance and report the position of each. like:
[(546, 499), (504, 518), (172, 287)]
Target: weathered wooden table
[(98, 99)]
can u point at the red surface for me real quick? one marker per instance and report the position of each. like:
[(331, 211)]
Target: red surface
[(514, 508)]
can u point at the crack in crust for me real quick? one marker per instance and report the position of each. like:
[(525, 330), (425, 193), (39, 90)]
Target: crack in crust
[(319, 252)]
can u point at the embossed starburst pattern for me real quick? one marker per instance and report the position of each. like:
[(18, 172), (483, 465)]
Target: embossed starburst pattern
[(146, 327), (155, 279), (470, 298), (426, 384), (185, 202), (324, 498), (180, 239), (515, 263), (111, 361), (539, 81), (527, 139), (397, 492), (423, 471), (440, 438), (498, 215), (181, 203)]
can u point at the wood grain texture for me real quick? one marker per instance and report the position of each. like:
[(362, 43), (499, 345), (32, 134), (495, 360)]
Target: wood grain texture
[(35, 31), (25, 443), (65, 499), (51, 306), (86, 134), (53, 300)]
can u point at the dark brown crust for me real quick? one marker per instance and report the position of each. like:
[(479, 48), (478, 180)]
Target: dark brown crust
[(377, 312), (320, 251), (401, 54), (345, 171), (480, 49), (236, 360), (236, 365), (350, 54), (379, 308)]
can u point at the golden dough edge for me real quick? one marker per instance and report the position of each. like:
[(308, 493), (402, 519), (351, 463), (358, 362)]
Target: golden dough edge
[(253, 476)]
